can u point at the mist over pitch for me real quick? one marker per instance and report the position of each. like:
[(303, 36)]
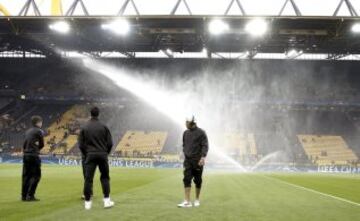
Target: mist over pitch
[(219, 99)]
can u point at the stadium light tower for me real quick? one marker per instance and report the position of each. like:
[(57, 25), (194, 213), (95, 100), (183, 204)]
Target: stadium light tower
[(355, 28), (119, 26), (60, 26), (256, 27), (217, 27)]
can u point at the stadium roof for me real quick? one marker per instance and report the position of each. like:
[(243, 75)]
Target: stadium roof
[(180, 7), (291, 31), (325, 35)]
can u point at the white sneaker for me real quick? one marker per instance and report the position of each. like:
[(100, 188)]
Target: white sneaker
[(108, 203), (185, 204), (197, 203), (88, 205)]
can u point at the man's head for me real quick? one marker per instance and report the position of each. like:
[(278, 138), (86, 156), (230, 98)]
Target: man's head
[(190, 122), (36, 121), (94, 112)]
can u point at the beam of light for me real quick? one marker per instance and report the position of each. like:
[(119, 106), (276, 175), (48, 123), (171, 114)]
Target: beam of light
[(176, 106)]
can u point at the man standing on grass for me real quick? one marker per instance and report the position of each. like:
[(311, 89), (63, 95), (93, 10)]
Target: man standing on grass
[(34, 142), (95, 143), (195, 147)]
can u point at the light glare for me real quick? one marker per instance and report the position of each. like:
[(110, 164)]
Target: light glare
[(60, 26), (293, 53), (119, 26), (169, 51), (218, 27), (256, 27), (356, 28)]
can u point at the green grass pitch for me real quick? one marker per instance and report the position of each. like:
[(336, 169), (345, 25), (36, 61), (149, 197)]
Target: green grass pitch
[(152, 194)]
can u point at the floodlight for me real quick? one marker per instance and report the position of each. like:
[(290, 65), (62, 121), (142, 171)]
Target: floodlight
[(256, 27), (217, 27), (118, 26), (60, 26), (356, 28)]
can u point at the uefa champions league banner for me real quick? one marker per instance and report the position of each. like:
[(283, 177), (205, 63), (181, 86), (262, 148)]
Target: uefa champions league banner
[(146, 163), (338, 169), (113, 162), (122, 162)]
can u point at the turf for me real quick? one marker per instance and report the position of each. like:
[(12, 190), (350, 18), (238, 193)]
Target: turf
[(152, 194)]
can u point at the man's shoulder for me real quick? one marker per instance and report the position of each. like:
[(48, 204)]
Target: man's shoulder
[(196, 130), (200, 130), (101, 124), (93, 123), (33, 130)]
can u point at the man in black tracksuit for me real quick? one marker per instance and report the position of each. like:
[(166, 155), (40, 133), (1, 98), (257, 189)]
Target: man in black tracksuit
[(195, 148), (34, 142), (95, 143)]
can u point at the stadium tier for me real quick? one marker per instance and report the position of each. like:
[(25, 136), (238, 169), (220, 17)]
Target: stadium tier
[(137, 143), (325, 150)]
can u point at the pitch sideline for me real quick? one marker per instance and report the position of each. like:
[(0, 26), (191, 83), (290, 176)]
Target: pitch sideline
[(314, 191)]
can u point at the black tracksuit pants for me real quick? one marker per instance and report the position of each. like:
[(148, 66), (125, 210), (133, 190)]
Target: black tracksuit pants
[(31, 175), (83, 160), (92, 161), (192, 171)]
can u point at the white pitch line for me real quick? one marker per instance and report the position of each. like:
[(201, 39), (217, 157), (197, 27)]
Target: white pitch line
[(315, 191)]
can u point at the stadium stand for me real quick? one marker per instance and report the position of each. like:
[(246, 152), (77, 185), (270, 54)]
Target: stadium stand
[(66, 145), (326, 150), (17, 121), (62, 122), (59, 140), (140, 143), (272, 129)]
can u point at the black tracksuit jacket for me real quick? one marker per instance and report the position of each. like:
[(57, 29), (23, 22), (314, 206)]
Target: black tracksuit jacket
[(95, 138), (34, 141), (195, 143)]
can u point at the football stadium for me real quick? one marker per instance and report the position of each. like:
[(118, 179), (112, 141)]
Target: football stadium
[(129, 109)]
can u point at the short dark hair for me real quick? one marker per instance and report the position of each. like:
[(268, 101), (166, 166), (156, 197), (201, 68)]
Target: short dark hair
[(35, 120), (94, 112)]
